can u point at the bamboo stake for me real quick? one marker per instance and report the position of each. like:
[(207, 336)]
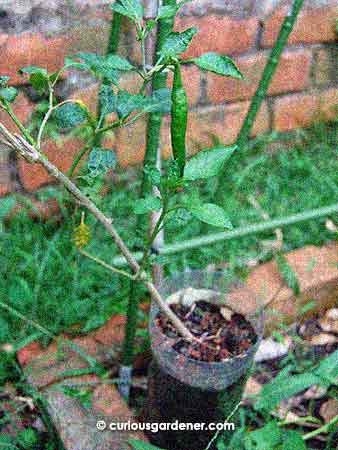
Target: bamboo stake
[(255, 228), (269, 71), (152, 157)]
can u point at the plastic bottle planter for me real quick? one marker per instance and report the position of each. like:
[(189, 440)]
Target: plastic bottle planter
[(191, 391)]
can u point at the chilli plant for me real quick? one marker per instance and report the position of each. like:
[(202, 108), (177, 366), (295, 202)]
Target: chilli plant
[(120, 108), (165, 194)]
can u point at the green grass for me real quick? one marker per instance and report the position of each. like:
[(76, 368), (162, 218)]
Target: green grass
[(44, 278)]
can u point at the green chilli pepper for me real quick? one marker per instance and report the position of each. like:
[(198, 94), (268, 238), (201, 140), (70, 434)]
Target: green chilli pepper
[(179, 117)]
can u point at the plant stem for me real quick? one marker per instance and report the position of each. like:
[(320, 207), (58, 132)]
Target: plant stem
[(324, 429), (78, 158), (105, 265)]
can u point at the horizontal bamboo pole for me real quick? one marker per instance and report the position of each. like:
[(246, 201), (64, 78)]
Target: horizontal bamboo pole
[(237, 233)]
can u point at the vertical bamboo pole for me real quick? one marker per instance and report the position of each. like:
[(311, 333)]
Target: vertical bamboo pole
[(269, 71), (152, 157)]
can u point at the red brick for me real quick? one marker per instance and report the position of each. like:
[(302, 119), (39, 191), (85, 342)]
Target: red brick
[(314, 25), (5, 188), (301, 110), (22, 108), (25, 49), (28, 49), (221, 34), (62, 155), (131, 143), (317, 273), (234, 117), (112, 332), (294, 111), (292, 74), (28, 353)]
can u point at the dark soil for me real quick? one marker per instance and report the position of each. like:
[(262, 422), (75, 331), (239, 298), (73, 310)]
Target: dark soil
[(219, 338)]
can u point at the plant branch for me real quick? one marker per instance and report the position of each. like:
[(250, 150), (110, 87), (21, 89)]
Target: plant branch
[(32, 154), (324, 429), (47, 116), (107, 266)]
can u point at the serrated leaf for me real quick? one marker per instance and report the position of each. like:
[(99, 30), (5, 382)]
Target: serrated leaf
[(292, 440), (147, 204), (207, 163), (177, 43), (100, 160), (9, 94), (133, 9), (219, 64), (327, 370), (28, 438), (117, 62), (107, 99), (268, 437), (210, 213), (70, 115), (287, 273), (141, 445), (283, 387)]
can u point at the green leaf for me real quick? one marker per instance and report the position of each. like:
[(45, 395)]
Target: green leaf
[(132, 9), (100, 160), (141, 445), (107, 67), (287, 273), (268, 437), (207, 163), (70, 115), (8, 94), (222, 65), (38, 77), (127, 103), (147, 204), (160, 101), (282, 387), (7, 442), (177, 43), (28, 438), (169, 11), (210, 214), (107, 99), (4, 79), (153, 174), (292, 440), (117, 62), (327, 370)]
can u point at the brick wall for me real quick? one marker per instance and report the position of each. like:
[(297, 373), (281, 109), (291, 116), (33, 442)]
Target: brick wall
[(303, 89)]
